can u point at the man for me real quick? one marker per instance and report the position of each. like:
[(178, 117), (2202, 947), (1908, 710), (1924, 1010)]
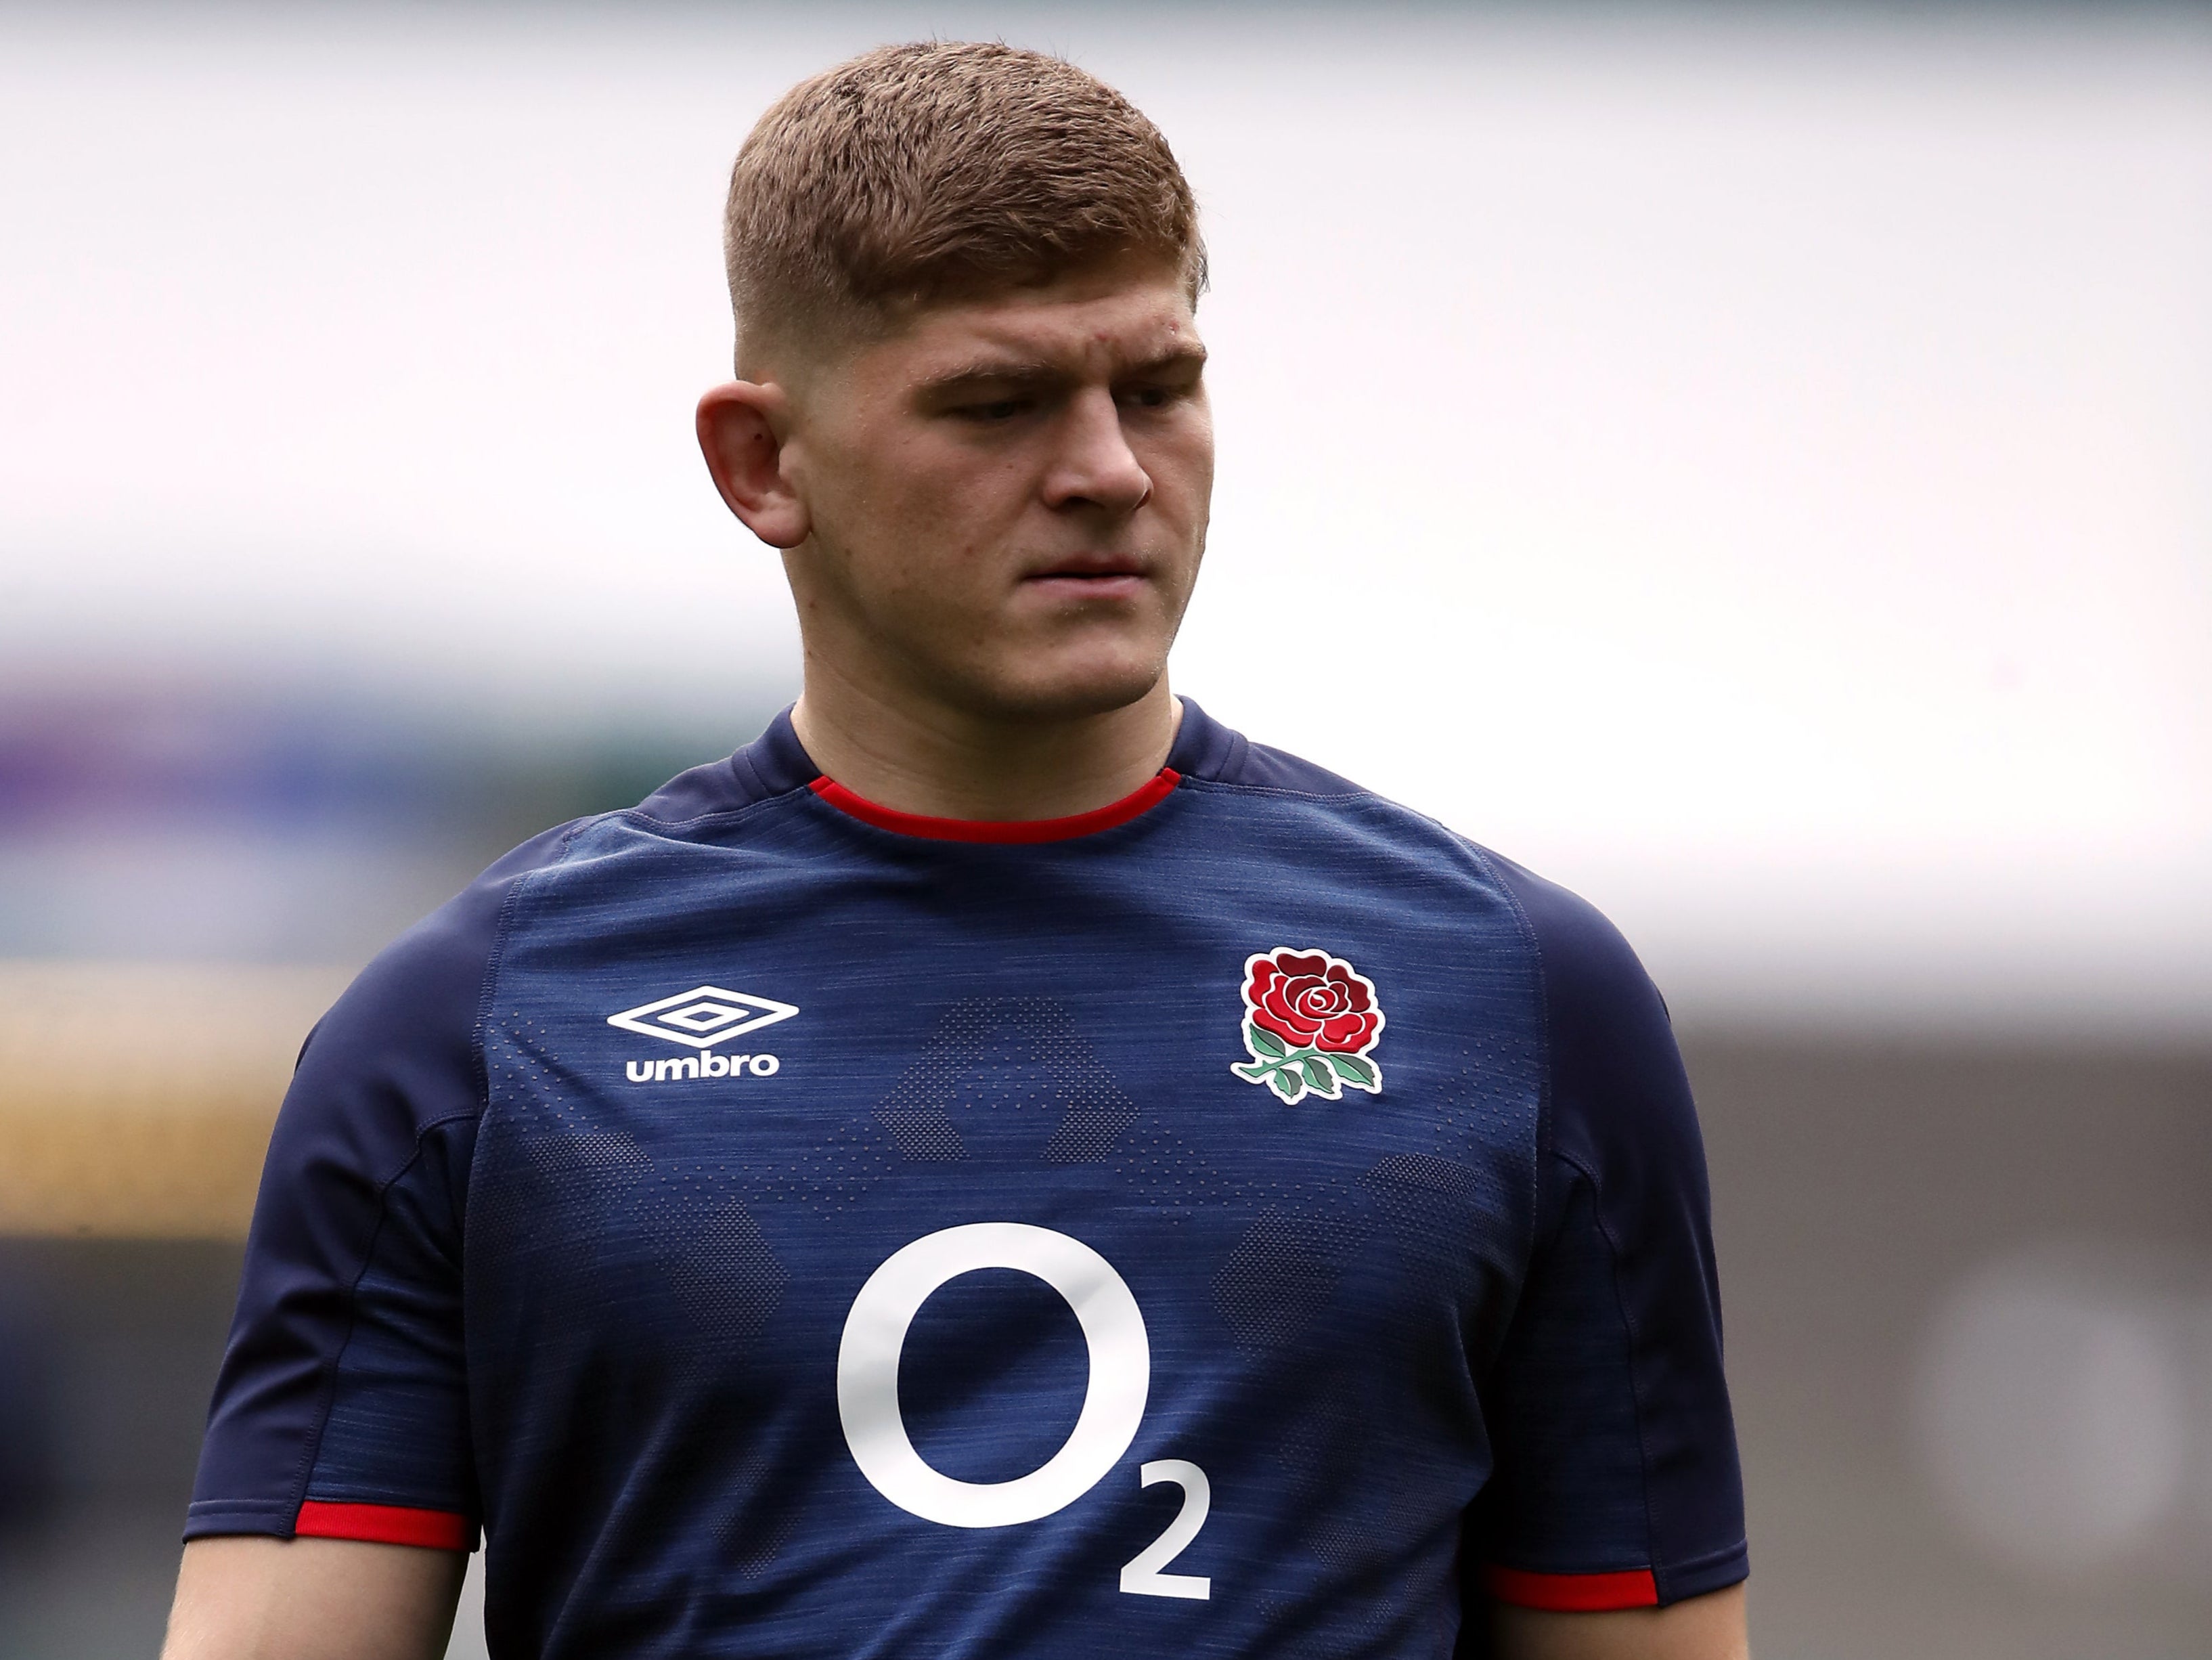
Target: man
[(1002, 1165)]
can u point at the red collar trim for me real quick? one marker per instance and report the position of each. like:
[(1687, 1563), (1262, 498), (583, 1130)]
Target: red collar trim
[(1019, 831)]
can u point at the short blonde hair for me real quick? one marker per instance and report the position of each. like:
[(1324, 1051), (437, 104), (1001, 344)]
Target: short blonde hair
[(940, 169)]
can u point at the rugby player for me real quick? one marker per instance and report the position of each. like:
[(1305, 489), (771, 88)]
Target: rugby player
[(1002, 1164)]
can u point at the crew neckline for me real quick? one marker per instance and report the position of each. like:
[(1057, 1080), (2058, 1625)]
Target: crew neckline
[(1002, 831), (777, 765)]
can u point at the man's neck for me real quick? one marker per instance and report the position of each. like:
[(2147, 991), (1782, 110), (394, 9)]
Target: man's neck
[(919, 759)]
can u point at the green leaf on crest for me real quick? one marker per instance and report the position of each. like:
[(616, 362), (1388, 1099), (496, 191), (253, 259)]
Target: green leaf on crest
[(1355, 1069), (1288, 1087), (1323, 1080), (1264, 1042)]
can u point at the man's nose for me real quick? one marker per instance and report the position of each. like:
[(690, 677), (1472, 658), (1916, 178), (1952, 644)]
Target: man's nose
[(1096, 466)]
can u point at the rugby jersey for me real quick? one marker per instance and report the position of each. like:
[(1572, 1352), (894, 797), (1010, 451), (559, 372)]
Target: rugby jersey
[(1247, 1220)]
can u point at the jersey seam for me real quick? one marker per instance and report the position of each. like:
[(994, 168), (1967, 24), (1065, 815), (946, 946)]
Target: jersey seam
[(273, 1507), (311, 1455), (1283, 790), (639, 817), (503, 931), (1629, 1328), (1544, 1095), (746, 775), (1239, 751), (1709, 1558)]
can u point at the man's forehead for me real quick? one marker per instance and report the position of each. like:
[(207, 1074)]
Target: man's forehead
[(1075, 326)]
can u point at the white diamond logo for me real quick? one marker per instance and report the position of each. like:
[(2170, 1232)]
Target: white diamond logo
[(703, 1017)]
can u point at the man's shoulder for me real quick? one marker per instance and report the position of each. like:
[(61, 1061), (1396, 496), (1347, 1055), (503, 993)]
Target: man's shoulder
[(429, 981), (1267, 787), (416, 1004), (773, 766), (1586, 960), (1206, 749)]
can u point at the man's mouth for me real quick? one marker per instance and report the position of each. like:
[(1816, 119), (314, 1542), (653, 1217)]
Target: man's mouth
[(1100, 575)]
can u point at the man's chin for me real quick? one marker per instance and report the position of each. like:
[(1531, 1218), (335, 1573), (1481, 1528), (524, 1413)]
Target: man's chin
[(1061, 692)]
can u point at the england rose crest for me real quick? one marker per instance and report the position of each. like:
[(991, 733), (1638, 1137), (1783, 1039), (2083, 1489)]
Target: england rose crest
[(1309, 1020)]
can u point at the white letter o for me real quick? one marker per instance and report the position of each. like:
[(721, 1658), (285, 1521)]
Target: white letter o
[(875, 1336)]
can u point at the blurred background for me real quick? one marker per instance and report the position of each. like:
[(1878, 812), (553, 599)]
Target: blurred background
[(1753, 465)]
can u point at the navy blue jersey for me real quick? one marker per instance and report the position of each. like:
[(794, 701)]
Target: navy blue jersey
[(1248, 1219)]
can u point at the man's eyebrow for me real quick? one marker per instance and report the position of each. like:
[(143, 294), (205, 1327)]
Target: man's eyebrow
[(1021, 371), (1185, 355), (1037, 371)]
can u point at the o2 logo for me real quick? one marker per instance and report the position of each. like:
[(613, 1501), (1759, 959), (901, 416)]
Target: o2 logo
[(1113, 1401)]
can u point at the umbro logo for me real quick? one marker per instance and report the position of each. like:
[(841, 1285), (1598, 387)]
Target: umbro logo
[(703, 1017), (700, 1018)]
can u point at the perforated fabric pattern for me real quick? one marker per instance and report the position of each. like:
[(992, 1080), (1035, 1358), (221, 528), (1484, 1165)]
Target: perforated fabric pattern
[(1012, 1034)]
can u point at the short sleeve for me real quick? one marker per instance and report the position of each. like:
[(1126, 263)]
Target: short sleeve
[(1616, 1482), (341, 1409)]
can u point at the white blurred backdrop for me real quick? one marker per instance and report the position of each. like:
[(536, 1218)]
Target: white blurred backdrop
[(1750, 466)]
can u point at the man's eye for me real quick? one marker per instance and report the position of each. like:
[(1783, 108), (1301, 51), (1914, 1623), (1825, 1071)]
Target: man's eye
[(1149, 397), (998, 409)]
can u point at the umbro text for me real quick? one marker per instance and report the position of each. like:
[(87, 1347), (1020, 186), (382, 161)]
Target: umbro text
[(662, 1070)]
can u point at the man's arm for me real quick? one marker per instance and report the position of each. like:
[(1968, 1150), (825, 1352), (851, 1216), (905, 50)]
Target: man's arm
[(1616, 1503), (1708, 1628), (248, 1597), (336, 1500)]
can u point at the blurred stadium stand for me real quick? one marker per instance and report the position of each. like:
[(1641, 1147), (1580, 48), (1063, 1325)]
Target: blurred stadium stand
[(191, 875)]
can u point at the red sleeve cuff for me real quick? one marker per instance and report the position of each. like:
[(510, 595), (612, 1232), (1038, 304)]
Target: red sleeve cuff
[(1572, 1593), (385, 1524)]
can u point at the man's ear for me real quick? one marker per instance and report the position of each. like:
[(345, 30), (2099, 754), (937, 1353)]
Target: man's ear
[(742, 428)]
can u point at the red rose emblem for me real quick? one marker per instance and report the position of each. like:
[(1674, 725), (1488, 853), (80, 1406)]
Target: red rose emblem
[(1312, 1000), (1310, 1020)]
